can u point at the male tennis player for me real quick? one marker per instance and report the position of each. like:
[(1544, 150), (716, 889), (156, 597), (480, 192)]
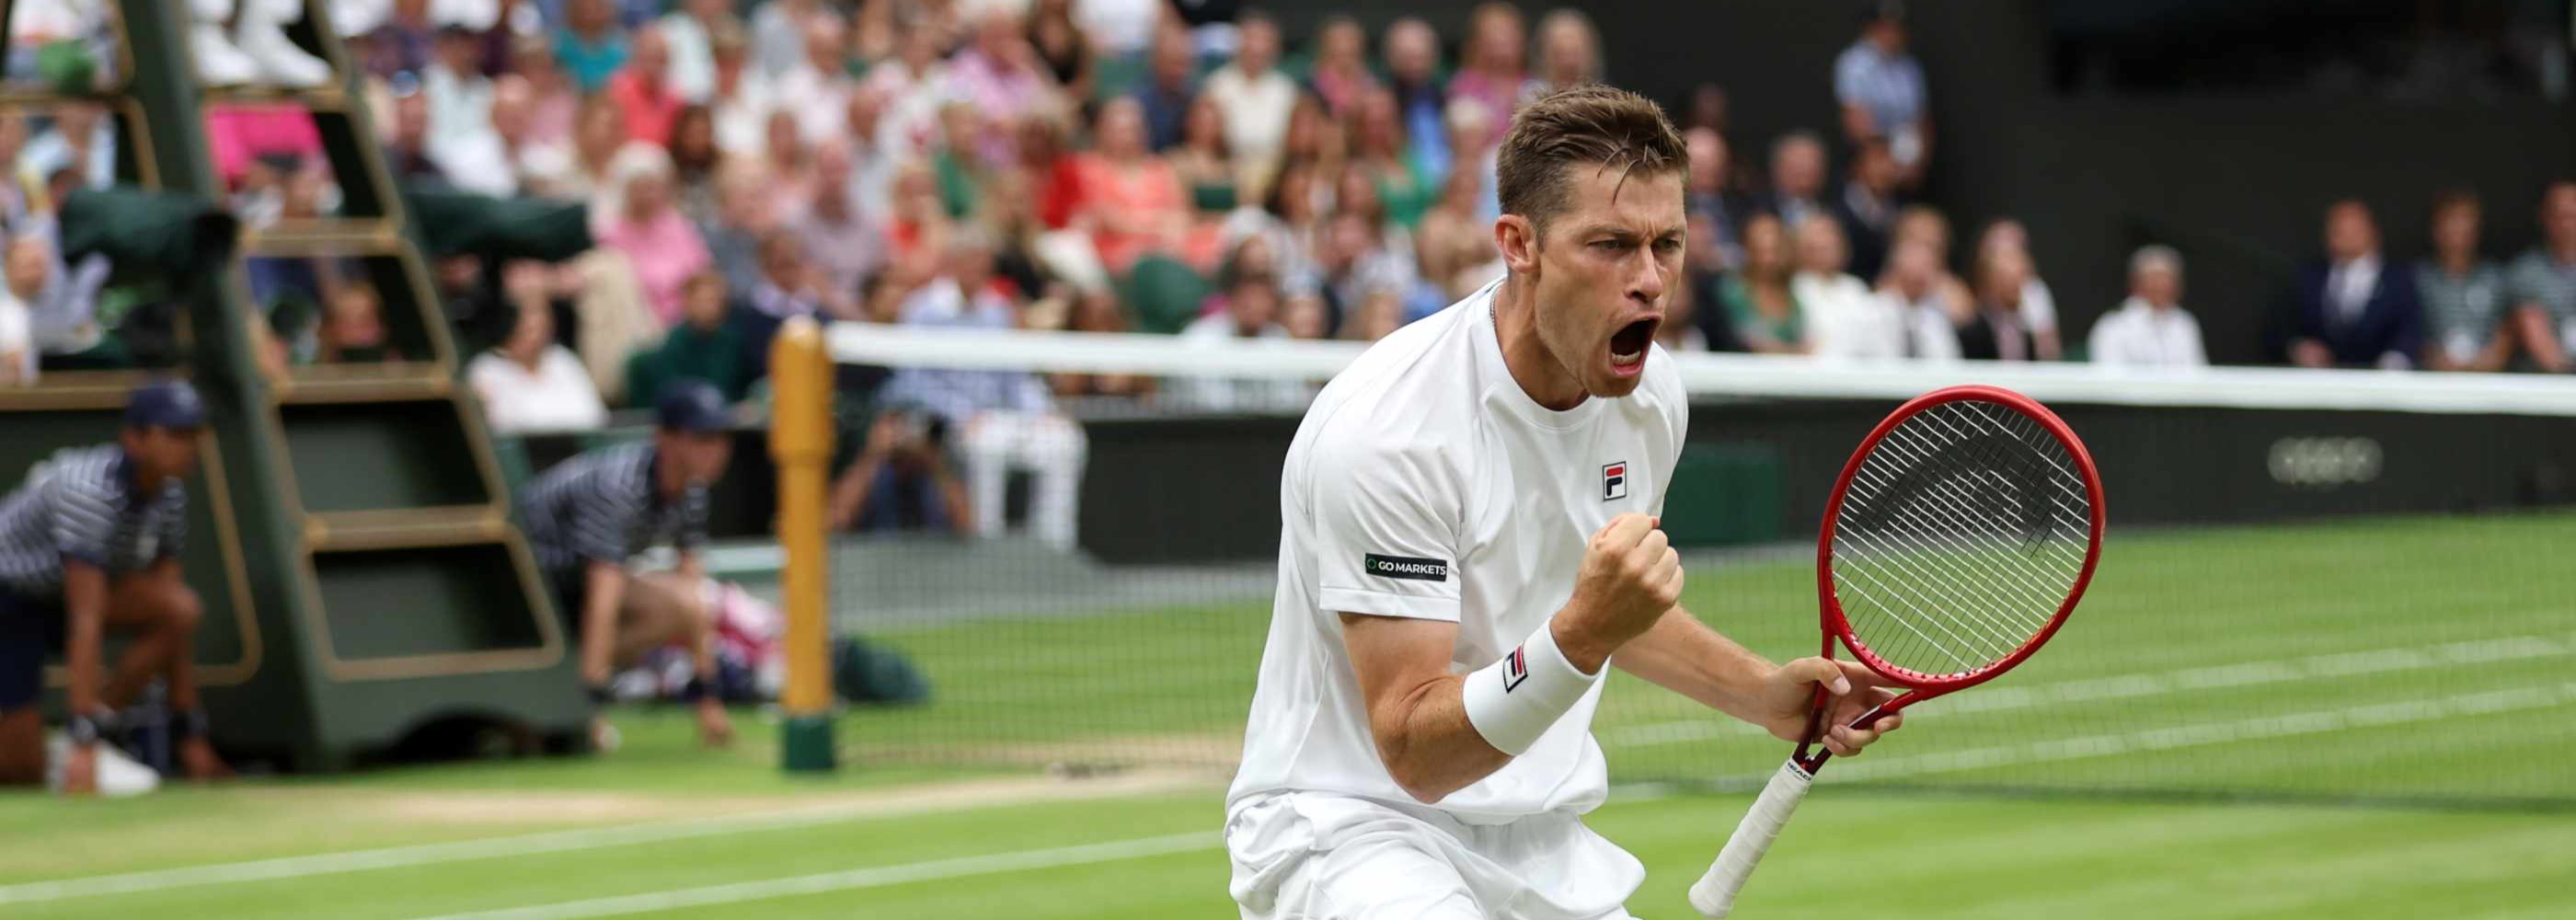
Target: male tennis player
[(588, 515), (88, 545), (1471, 539)]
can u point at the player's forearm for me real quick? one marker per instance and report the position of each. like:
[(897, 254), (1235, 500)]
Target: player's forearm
[(1427, 742), (85, 608), (1684, 655)]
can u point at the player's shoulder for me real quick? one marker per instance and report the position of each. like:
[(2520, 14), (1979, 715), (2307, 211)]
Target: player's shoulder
[(1408, 400)]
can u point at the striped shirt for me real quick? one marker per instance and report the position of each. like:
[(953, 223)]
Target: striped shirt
[(2461, 312), (79, 504), (1890, 87), (601, 507)]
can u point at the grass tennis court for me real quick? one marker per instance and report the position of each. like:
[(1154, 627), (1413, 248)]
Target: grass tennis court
[(2296, 668)]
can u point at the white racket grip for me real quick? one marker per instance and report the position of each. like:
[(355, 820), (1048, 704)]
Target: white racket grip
[(1714, 895)]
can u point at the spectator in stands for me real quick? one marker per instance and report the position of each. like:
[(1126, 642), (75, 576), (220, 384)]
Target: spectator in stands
[(1759, 300), (2038, 303), (1923, 223), (1881, 89), (704, 346), (1867, 208), (81, 139), (1472, 127), (1715, 215), (1707, 108), (1455, 248), (1341, 74), (2352, 309), (579, 169), (591, 45), (1130, 199), (90, 544), (407, 149), (14, 201), (1912, 287), (876, 37), (587, 515), (999, 73), (914, 88), (841, 244), (740, 94), (1380, 312), (402, 43), (1121, 29), (783, 292), (1252, 303), (1492, 65), (816, 92), (2541, 283), (636, 216), (1569, 53), (1097, 311), (902, 480), (353, 327), (554, 116), (695, 163), (460, 98), (643, 91), (1257, 100), (1169, 92), (791, 172), (1306, 316), (2150, 329), (778, 34), (1380, 155), (2462, 293), (744, 213), (25, 276), (1840, 315), (1797, 179), (1203, 164), (1996, 332), (1062, 48), (1412, 52), (529, 382), (690, 30)]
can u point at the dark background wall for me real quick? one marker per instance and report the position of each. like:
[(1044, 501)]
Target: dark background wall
[(2235, 177)]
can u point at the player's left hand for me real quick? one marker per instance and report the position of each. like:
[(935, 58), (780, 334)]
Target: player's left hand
[(715, 726), (1852, 689)]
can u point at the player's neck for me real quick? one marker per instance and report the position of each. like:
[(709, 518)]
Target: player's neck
[(1539, 374)]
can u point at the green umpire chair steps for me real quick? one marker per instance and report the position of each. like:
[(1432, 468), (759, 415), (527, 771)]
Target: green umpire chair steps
[(1162, 294)]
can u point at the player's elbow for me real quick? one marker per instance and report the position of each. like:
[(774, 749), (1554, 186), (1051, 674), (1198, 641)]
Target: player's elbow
[(1420, 782)]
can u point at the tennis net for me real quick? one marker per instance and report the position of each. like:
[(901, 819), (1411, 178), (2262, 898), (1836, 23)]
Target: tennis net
[(2337, 585)]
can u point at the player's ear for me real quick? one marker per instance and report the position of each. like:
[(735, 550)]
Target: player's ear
[(1517, 239)]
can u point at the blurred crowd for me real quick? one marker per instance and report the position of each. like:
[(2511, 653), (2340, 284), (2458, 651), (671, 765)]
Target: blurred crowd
[(1135, 165)]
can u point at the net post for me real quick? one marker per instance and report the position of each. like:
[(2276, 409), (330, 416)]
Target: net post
[(800, 443)]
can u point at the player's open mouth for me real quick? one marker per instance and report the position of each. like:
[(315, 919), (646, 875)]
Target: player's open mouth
[(1628, 345)]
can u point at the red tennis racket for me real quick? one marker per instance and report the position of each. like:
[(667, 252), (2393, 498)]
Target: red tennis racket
[(1961, 535)]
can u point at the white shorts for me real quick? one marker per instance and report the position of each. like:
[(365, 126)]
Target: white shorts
[(1314, 856)]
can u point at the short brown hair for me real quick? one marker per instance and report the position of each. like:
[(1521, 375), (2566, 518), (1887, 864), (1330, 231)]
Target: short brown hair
[(2453, 199), (1593, 124)]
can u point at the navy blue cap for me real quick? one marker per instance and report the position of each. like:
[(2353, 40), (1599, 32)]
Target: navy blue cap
[(693, 406), (171, 404)]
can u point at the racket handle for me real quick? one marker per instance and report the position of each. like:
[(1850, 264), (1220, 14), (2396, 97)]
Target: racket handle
[(1714, 895)]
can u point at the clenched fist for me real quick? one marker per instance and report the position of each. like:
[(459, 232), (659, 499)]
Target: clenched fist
[(1630, 576)]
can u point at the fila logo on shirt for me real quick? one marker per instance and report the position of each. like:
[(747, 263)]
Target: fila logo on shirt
[(1614, 481)]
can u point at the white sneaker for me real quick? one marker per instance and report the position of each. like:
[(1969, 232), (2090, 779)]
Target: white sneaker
[(218, 62), (261, 35), (118, 775)]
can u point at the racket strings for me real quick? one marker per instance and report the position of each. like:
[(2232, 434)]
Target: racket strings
[(1959, 536)]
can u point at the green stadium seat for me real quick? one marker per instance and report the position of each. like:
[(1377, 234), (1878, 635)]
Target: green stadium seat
[(1163, 294)]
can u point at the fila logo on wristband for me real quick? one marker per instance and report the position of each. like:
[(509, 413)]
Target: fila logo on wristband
[(1405, 567), (1515, 668), (1614, 481)]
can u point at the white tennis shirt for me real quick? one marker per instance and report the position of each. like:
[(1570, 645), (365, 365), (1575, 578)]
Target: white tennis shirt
[(1426, 483)]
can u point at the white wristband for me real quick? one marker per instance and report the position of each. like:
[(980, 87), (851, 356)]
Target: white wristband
[(1513, 701)]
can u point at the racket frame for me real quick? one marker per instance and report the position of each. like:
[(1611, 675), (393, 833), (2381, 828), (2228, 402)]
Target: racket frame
[(1837, 626)]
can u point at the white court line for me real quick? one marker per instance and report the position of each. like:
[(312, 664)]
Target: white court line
[(2242, 674), (853, 879), (290, 867), (2255, 729)]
